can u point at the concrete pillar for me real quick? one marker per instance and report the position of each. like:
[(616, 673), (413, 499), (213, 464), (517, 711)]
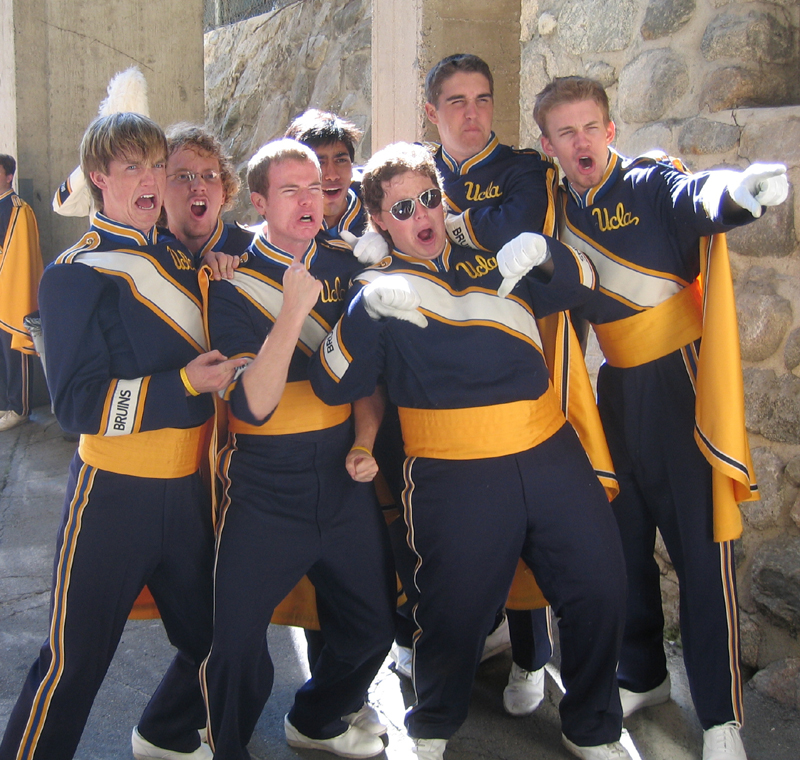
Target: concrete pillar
[(56, 59), (409, 36)]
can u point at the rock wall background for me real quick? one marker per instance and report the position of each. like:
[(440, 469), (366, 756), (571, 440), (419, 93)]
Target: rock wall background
[(262, 72), (716, 83)]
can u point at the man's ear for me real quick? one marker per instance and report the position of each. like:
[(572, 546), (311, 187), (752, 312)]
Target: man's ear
[(547, 146), (259, 202), (611, 132), (431, 113), (378, 221), (99, 180)]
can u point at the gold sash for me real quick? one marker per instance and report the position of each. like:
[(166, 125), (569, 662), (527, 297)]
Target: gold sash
[(299, 411)]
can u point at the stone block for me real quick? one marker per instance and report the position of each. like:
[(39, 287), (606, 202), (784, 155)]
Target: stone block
[(791, 354), (762, 85), (603, 72), (776, 580), (775, 140), (780, 681), (663, 17), (580, 32), (771, 235), (703, 136), (764, 316), (765, 512), (772, 405), (313, 51), (794, 512), (793, 471), (649, 137), (650, 84), (749, 35)]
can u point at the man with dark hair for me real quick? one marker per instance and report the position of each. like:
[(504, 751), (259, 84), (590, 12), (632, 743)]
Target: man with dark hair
[(128, 369), (334, 141), (296, 476), (672, 408), (20, 272), (494, 192), (494, 472)]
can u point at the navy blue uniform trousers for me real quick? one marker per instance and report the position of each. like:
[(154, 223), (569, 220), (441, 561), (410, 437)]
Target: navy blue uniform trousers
[(469, 521), (117, 534), (15, 388), (665, 483), (291, 509)]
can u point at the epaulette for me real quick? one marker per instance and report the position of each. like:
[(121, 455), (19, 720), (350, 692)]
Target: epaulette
[(655, 157), (88, 242), (17, 201)]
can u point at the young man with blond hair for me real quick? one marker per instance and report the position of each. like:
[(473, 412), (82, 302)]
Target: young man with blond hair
[(670, 391)]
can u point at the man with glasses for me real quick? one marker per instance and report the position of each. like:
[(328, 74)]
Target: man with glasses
[(296, 476), (494, 471), (201, 185), (493, 193)]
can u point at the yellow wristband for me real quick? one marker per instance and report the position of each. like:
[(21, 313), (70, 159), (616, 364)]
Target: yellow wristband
[(361, 448), (186, 384)]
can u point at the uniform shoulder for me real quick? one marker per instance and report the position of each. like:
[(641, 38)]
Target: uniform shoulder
[(654, 159)]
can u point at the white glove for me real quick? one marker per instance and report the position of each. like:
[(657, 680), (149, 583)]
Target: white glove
[(517, 257), (369, 249), (393, 296), (760, 185), (457, 231)]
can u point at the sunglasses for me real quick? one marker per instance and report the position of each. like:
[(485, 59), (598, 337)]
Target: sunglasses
[(184, 178), (403, 210)]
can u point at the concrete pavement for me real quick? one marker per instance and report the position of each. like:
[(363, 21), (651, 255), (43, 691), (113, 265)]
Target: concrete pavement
[(33, 467)]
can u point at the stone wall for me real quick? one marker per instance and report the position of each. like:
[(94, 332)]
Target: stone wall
[(716, 83), (262, 72)]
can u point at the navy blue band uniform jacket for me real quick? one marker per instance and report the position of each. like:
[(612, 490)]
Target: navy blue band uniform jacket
[(655, 234), (502, 192), (121, 315), (478, 356), (243, 310)]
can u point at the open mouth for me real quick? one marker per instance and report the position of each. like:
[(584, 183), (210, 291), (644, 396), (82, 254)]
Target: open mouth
[(198, 208), (426, 235), (332, 192), (146, 202), (585, 162), (306, 218)]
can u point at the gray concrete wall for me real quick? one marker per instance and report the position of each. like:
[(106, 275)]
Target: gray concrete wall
[(65, 54)]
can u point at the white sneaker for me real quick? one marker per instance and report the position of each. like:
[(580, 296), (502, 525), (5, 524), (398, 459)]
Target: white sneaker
[(401, 656), (525, 690), (429, 749), (497, 641), (367, 719), (143, 750), (613, 751), (11, 420), (352, 743), (636, 700), (723, 742)]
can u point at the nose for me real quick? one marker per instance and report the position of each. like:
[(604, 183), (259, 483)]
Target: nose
[(471, 109), (197, 181)]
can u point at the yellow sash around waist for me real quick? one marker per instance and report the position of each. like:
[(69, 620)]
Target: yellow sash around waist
[(167, 453), (300, 411), (480, 432), (653, 333)]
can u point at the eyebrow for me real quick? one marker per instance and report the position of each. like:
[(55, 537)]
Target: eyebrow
[(463, 96)]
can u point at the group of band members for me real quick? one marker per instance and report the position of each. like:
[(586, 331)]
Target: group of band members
[(435, 291)]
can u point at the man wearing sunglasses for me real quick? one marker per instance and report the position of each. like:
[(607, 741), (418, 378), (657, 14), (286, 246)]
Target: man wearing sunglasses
[(493, 193), (296, 476), (493, 471)]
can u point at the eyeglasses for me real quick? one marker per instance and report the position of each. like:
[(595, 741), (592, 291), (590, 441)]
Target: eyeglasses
[(403, 210), (184, 178)]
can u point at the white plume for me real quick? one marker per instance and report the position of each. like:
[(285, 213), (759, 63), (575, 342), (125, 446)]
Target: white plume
[(127, 91)]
